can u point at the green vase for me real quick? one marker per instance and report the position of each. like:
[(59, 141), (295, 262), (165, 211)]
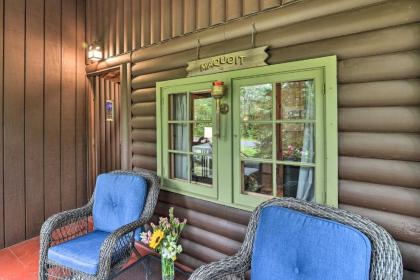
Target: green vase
[(168, 269)]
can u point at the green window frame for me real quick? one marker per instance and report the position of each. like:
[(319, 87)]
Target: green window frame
[(226, 187), (186, 186)]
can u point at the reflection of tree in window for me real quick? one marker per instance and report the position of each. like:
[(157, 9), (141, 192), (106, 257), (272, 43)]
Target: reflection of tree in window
[(256, 140), (201, 109), (256, 105), (256, 102)]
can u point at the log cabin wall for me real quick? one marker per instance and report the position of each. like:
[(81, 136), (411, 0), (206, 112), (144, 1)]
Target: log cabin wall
[(42, 111), (378, 47), (125, 25)]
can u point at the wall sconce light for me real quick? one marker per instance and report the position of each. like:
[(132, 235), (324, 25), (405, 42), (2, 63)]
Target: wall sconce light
[(95, 51)]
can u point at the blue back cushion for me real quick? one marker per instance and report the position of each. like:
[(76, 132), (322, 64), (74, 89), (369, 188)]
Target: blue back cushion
[(119, 200), (293, 245)]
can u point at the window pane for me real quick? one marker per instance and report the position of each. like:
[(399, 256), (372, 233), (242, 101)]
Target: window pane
[(202, 169), (178, 166), (202, 105), (178, 137), (202, 138), (178, 107), (256, 140), (256, 102), (297, 100), (295, 181), (295, 142), (257, 178)]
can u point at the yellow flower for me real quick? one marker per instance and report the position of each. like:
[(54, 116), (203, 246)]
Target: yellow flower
[(156, 238), (174, 258)]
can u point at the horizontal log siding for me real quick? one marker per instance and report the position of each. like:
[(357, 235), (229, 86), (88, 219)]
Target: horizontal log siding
[(378, 48)]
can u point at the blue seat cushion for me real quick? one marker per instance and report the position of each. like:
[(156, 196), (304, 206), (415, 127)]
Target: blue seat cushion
[(119, 200), (81, 254), (293, 245)]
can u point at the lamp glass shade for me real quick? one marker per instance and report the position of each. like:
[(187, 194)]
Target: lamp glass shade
[(95, 52)]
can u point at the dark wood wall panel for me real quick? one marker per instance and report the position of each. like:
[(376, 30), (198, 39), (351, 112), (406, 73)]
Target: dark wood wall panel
[(119, 29), (145, 29), (267, 4), (81, 106), (155, 22), (189, 16), (233, 9), (68, 112), (106, 24), (177, 17), (136, 23), (148, 22), (128, 37), (43, 113), (218, 11), (34, 117), (166, 19), (112, 27), (52, 94), (379, 94), (250, 6), (1, 130), (14, 121), (106, 134)]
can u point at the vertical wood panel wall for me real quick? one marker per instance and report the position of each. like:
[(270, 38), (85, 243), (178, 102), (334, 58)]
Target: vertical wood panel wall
[(378, 48), (108, 148), (42, 142), (104, 151), (139, 23)]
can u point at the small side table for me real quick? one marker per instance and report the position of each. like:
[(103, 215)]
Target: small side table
[(148, 268)]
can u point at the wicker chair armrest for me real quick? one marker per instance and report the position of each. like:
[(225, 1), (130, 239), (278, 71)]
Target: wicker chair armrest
[(117, 245), (61, 227), (63, 220), (233, 267)]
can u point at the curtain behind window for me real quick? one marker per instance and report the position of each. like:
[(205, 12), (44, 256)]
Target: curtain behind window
[(306, 175), (181, 136)]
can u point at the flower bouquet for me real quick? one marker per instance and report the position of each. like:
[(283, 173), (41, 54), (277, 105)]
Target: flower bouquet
[(293, 153), (164, 239)]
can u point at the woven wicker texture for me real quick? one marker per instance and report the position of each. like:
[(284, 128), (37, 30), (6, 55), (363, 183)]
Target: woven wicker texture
[(386, 262), (117, 247)]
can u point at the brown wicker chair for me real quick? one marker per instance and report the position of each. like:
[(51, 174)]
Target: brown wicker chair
[(386, 263), (115, 250)]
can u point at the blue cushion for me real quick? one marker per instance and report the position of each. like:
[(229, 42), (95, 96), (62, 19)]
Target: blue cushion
[(119, 200), (292, 245), (81, 254)]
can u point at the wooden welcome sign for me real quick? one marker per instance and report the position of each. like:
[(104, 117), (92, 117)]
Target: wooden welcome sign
[(226, 62)]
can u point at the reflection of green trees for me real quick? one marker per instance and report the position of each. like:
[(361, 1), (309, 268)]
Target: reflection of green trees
[(261, 136), (202, 111), (256, 102), (199, 128)]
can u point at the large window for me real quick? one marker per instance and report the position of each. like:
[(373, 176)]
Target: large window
[(278, 138)]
